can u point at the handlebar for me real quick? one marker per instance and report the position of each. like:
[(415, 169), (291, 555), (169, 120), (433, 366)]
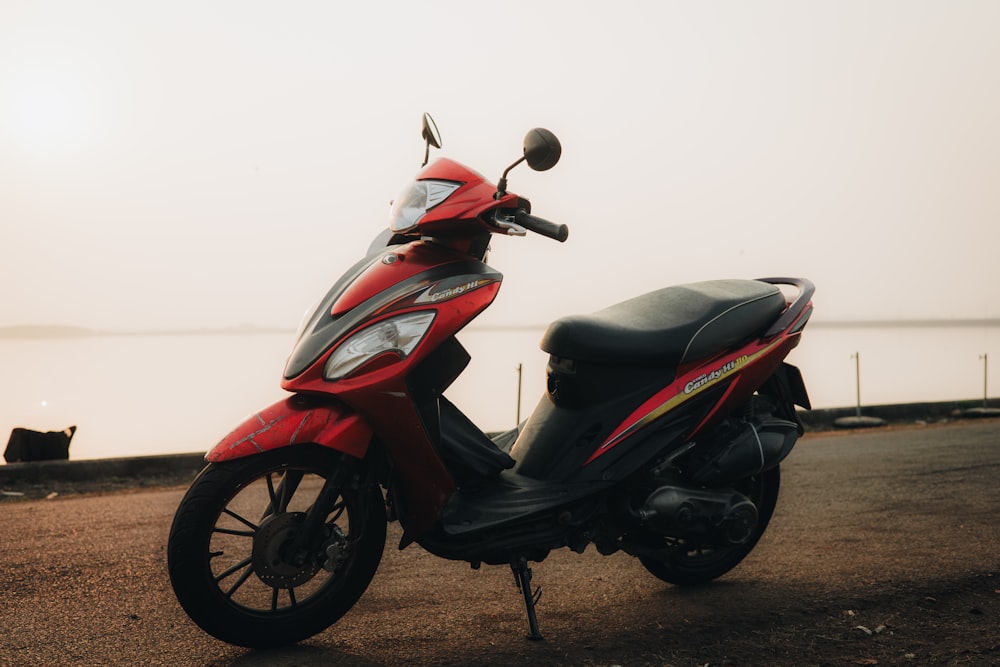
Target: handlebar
[(541, 226)]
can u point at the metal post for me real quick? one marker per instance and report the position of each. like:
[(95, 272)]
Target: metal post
[(520, 368), (984, 356), (857, 377)]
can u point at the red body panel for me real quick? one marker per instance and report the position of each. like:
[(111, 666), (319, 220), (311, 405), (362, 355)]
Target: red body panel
[(284, 423), (404, 262), (469, 202), (377, 391), (747, 368), (426, 482), (452, 315)]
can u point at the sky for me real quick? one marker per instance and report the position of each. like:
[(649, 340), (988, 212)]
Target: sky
[(187, 164)]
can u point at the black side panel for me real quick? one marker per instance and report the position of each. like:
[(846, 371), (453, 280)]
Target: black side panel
[(431, 377), (505, 440), (578, 384), (787, 387), (796, 386), (584, 404), (556, 441), (438, 370), (466, 451), (510, 498)]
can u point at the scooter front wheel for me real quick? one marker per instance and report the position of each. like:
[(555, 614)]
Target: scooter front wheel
[(693, 564), (235, 562)]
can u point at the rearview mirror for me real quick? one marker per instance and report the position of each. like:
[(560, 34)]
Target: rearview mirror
[(541, 149), (430, 132), (431, 135)]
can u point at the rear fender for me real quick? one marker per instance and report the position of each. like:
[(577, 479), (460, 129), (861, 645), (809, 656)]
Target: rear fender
[(293, 421)]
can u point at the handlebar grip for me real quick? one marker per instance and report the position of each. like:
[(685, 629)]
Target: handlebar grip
[(541, 226)]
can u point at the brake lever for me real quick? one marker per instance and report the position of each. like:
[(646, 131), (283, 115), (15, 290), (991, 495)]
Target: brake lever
[(506, 223)]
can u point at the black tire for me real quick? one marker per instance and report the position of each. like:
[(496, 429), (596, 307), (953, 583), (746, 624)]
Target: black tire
[(227, 546), (696, 564)]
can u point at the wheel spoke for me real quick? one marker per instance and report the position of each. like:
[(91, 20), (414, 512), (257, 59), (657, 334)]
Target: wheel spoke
[(270, 490), (232, 531), (245, 522), (287, 488), (339, 510), (281, 495), (239, 582), (235, 568), (275, 592)]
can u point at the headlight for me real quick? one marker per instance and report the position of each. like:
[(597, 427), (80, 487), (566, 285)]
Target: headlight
[(418, 198), (399, 334)]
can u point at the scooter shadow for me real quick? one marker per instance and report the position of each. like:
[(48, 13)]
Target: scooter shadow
[(299, 655), (636, 619), (607, 625)]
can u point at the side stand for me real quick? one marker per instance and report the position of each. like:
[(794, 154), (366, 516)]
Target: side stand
[(522, 578)]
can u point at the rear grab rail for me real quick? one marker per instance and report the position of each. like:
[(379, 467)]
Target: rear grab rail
[(797, 307)]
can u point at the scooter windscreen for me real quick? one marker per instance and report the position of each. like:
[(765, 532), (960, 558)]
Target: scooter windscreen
[(418, 198)]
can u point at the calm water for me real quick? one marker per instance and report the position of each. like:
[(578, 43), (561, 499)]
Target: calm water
[(137, 395)]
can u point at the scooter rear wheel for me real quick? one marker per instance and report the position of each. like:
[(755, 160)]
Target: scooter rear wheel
[(230, 557), (693, 564)]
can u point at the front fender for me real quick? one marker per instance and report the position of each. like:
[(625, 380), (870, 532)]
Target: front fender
[(292, 421)]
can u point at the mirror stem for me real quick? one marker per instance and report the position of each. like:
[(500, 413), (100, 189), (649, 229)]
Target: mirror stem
[(502, 183)]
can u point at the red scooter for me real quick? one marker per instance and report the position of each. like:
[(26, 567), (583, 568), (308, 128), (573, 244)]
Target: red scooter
[(661, 432)]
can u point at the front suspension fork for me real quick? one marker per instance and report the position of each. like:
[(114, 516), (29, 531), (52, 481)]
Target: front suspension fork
[(311, 534)]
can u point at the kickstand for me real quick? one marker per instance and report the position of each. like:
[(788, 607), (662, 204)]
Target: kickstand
[(522, 578)]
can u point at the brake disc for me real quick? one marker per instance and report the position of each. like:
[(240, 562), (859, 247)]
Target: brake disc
[(272, 557)]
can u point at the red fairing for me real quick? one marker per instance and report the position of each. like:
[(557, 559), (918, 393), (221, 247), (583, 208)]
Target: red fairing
[(397, 265), (444, 169), (452, 315), (284, 423), (470, 201)]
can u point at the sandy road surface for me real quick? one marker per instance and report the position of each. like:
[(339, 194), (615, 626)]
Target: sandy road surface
[(885, 549)]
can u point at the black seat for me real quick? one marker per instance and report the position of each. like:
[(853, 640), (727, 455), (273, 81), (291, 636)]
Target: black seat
[(669, 326)]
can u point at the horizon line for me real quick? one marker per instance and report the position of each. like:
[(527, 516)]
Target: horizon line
[(71, 331)]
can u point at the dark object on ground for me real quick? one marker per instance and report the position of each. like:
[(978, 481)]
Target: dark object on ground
[(859, 421), (981, 413), (28, 445)]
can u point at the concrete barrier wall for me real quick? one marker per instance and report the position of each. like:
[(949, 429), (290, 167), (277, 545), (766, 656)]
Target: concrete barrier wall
[(900, 413), (187, 465), (135, 467)]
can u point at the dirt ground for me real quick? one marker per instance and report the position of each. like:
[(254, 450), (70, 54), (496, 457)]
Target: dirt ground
[(884, 550)]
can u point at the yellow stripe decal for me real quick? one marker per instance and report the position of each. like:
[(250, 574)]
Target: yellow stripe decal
[(691, 389)]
